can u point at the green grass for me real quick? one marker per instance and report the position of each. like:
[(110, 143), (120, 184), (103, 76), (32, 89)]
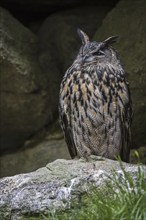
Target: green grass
[(121, 199)]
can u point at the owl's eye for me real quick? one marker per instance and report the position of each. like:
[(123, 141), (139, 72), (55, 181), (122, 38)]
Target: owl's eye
[(98, 53)]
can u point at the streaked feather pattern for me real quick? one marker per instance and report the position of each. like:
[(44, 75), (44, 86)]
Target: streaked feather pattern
[(95, 105)]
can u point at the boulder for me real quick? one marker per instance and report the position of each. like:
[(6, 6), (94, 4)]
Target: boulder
[(26, 96), (127, 20), (51, 188), (34, 154), (59, 32)]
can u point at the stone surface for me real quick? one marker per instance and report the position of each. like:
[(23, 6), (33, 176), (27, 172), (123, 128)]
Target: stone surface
[(59, 32), (127, 20), (53, 186), (26, 96), (34, 154)]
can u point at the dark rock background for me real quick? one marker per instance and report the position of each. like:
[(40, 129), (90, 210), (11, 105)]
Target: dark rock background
[(38, 42)]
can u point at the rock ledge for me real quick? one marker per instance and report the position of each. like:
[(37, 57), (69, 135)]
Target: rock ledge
[(53, 186)]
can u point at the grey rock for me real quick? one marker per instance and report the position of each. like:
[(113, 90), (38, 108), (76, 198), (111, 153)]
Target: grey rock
[(54, 186), (59, 32), (34, 154), (127, 20), (25, 102)]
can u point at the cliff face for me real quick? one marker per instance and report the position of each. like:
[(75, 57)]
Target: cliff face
[(38, 43), (26, 105)]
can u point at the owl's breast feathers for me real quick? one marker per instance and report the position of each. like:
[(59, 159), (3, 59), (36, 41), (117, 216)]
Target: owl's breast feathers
[(95, 111)]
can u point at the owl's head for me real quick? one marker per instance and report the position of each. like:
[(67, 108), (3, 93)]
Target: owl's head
[(96, 52)]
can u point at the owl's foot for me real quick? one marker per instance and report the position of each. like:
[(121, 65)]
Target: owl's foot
[(91, 158)]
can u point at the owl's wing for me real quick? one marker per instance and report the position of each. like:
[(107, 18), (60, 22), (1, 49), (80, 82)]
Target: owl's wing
[(66, 127), (126, 120)]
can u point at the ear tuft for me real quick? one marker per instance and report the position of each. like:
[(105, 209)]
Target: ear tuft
[(84, 37), (110, 40)]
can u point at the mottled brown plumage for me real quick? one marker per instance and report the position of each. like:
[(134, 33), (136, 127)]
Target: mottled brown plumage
[(94, 104)]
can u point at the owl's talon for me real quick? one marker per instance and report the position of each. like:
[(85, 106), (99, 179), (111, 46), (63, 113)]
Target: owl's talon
[(83, 159), (96, 158), (91, 158)]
